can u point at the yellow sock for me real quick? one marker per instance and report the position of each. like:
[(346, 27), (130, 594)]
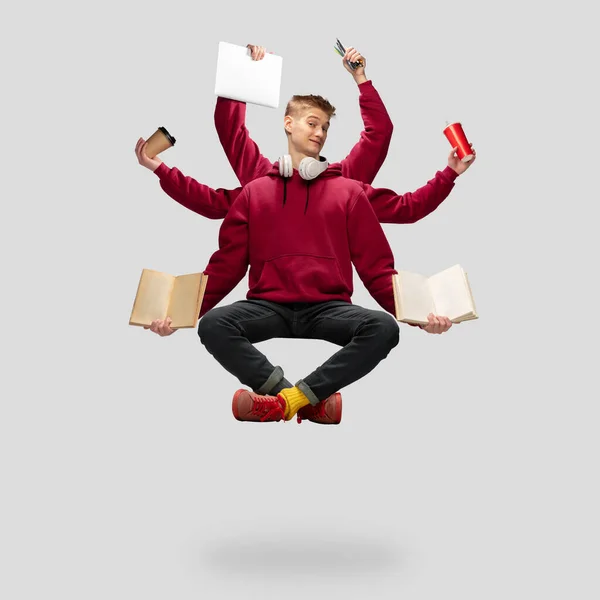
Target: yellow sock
[(294, 401)]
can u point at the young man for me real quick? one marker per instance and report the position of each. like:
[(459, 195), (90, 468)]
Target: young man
[(362, 164), (300, 238), (364, 161), (307, 130)]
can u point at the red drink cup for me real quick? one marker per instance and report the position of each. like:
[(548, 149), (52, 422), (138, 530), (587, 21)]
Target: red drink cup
[(457, 138)]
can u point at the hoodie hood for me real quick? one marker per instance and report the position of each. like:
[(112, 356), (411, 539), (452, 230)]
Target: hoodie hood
[(333, 170)]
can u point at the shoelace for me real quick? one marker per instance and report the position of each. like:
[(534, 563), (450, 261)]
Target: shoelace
[(265, 408)]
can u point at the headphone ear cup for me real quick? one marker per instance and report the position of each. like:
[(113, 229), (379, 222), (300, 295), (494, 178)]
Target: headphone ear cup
[(285, 166), (310, 168)]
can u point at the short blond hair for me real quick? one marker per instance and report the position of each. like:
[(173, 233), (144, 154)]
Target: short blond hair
[(298, 103)]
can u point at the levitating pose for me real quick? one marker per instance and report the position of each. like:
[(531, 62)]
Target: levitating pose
[(300, 228), (300, 238)]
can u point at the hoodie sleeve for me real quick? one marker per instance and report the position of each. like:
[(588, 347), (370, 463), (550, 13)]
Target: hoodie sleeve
[(228, 265), (410, 207), (367, 156), (242, 152), (371, 253), (195, 196)]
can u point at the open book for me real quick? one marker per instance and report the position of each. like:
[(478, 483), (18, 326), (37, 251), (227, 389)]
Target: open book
[(446, 294), (160, 295)]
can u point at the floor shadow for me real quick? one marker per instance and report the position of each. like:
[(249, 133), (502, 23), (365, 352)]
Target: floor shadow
[(291, 554)]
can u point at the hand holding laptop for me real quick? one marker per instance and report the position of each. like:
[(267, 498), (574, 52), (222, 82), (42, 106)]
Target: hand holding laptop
[(253, 77), (257, 52)]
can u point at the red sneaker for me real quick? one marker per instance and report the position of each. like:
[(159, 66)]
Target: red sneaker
[(326, 412), (248, 406)]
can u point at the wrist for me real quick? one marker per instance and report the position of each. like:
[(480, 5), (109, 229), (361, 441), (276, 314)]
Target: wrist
[(451, 173), (360, 79), (160, 170)]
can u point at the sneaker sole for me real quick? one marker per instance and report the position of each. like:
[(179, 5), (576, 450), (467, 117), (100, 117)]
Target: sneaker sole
[(235, 404), (338, 410)]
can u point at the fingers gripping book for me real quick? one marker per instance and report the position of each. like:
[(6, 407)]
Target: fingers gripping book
[(447, 293), (161, 295)]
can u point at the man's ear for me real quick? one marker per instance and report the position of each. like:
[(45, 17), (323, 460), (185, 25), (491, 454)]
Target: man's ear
[(287, 123)]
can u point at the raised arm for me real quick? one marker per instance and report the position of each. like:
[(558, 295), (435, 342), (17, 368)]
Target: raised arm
[(204, 200), (371, 253), (228, 265), (195, 196), (242, 152), (368, 154), (391, 207)]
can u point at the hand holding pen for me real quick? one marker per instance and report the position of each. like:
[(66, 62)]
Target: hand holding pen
[(353, 59)]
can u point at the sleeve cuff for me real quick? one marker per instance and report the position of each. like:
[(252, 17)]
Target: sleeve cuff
[(161, 170), (365, 86), (223, 100), (450, 174)]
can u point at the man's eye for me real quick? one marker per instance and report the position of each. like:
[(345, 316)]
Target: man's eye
[(312, 124)]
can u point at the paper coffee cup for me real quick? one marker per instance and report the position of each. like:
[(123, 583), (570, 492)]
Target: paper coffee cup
[(158, 142), (457, 138)]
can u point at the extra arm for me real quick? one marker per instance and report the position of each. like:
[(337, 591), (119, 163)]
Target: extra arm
[(199, 198), (371, 253), (367, 156), (228, 265), (241, 150), (391, 207)]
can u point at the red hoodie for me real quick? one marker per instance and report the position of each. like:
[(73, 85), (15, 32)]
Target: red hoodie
[(363, 162), (301, 239), (389, 206)]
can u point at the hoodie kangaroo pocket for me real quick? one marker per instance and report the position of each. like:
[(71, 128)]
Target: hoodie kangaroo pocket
[(304, 274)]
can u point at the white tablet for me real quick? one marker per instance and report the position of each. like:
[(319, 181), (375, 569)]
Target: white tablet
[(241, 78)]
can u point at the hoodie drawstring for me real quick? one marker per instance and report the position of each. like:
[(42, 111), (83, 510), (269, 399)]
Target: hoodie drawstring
[(306, 205), (285, 193)]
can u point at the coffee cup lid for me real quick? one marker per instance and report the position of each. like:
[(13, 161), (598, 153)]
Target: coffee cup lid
[(168, 135)]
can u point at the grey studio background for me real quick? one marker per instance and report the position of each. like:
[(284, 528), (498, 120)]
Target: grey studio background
[(465, 465)]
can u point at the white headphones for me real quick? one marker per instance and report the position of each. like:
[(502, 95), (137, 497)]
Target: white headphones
[(309, 167)]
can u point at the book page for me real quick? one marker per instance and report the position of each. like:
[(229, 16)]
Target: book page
[(474, 316), (152, 298), (184, 309), (451, 294), (414, 298)]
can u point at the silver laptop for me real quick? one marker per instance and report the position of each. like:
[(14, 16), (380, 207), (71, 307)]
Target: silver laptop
[(241, 78)]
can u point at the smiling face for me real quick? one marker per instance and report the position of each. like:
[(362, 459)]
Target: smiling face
[(306, 123), (308, 131)]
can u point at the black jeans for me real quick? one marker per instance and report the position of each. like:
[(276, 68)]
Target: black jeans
[(367, 337)]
